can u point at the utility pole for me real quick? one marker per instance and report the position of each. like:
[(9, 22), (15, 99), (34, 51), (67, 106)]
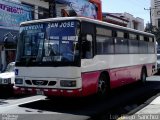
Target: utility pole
[(150, 26), (150, 12)]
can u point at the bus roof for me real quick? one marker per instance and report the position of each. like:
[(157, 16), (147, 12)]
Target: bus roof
[(87, 20)]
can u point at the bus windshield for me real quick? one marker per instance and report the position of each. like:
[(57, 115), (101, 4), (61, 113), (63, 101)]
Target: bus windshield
[(50, 42)]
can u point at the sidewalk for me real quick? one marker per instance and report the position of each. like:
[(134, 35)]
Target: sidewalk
[(149, 110), (153, 106)]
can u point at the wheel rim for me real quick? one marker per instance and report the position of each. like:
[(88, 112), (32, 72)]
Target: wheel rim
[(101, 86)]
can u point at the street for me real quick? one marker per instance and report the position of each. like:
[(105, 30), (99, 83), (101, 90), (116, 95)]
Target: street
[(120, 101)]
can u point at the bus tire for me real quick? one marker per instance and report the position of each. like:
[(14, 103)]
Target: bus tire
[(143, 75), (102, 86)]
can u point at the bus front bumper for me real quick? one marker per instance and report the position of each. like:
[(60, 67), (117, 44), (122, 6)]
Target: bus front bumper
[(48, 92)]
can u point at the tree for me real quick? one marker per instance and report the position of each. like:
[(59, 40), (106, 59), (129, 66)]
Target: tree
[(154, 30)]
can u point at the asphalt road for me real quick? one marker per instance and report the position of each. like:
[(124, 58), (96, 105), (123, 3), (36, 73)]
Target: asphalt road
[(120, 101)]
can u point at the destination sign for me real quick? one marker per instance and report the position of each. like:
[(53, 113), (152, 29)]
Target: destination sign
[(33, 27), (69, 24)]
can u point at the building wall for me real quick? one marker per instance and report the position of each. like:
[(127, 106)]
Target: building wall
[(115, 19), (9, 29), (128, 19), (155, 12), (36, 4), (134, 22), (9, 33), (40, 3)]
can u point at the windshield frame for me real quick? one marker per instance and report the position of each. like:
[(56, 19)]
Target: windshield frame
[(30, 60)]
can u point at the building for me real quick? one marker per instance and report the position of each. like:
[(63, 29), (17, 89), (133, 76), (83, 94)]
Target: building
[(115, 18), (124, 19), (155, 13), (11, 14), (155, 19), (41, 8)]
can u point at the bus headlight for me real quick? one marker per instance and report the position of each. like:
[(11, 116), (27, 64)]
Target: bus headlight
[(68, 83), (18, 81)]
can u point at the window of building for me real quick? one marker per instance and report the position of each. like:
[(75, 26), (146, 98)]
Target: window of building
[(135, 25), (43, 13), (32, 10)]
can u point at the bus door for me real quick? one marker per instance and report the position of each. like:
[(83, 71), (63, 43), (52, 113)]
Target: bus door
[(87, 42)]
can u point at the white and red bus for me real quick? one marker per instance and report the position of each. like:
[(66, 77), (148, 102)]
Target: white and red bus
[(79, 57)]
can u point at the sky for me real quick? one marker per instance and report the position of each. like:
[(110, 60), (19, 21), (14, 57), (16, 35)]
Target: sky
[(134, 7)]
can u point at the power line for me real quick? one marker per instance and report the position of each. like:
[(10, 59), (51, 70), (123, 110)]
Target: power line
[(137, 3)]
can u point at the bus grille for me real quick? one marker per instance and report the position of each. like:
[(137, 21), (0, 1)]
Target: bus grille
[(40, 82)]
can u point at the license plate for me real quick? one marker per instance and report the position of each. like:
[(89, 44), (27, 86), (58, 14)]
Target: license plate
[(40, 92)]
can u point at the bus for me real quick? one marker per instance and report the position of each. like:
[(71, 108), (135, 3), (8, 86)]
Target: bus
[(77, 57)]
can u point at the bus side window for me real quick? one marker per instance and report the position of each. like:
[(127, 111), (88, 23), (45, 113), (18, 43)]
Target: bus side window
[(87, 51)]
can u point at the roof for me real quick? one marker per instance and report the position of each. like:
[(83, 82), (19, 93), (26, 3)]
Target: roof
[(87, 20)]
